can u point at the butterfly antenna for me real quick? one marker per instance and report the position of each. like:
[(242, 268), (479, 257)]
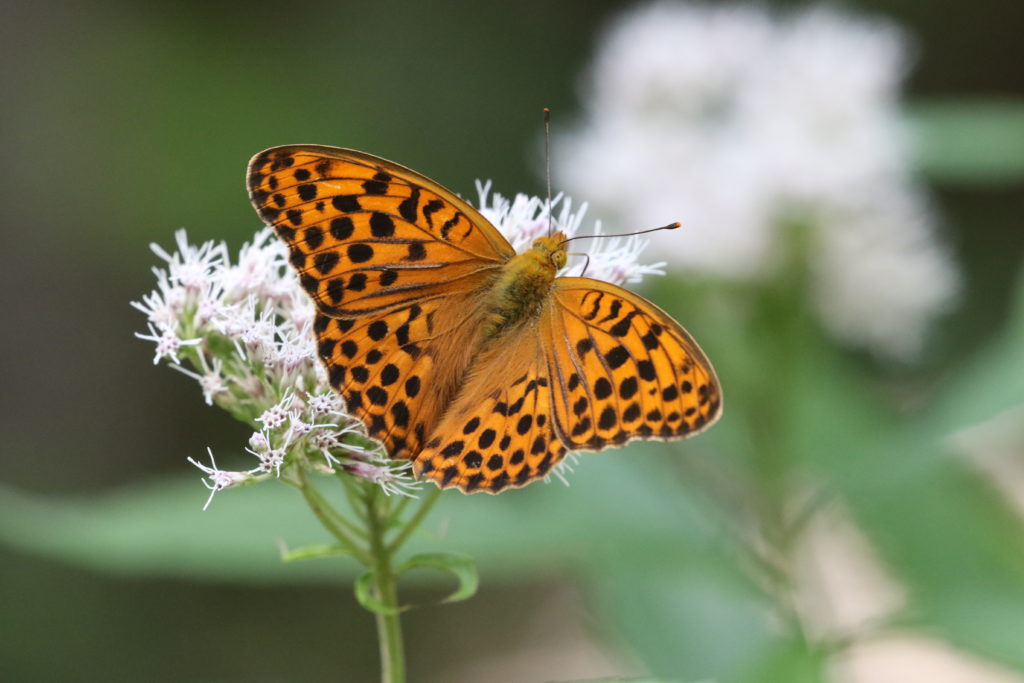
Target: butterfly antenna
[(670, 226), (547, 161), (586, 264)]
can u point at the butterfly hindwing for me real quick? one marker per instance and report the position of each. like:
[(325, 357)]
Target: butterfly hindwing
[(623, 369), (499, 433), (367, 235)]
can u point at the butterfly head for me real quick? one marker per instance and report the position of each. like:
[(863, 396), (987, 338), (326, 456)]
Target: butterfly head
[(552, 249)]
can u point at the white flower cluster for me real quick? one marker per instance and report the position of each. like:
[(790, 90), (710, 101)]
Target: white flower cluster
[(742, 125), (245, 331)]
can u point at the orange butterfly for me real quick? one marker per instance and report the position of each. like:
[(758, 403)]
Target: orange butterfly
[(477, 363)]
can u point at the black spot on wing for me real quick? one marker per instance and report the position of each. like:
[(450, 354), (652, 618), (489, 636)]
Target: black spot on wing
[(409, 205), (430, 208), (346, 203), (381, 225)]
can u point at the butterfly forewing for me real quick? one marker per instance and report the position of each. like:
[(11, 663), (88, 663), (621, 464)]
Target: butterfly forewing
[(367, 235), (381, 368), (395, 264), (623, 369)]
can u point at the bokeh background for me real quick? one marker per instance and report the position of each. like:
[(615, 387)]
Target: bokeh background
[(864, 521)]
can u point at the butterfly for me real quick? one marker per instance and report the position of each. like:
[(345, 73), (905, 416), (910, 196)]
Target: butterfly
[(477, 363)]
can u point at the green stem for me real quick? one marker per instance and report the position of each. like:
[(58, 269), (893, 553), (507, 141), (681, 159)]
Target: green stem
[(379, 512), (353, 494), (332, 520), (389, 627), (787, 317), (414, 522), (397, 510)]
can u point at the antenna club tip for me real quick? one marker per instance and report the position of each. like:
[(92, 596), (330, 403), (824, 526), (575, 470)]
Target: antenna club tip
[(547, 110), (673, 226)]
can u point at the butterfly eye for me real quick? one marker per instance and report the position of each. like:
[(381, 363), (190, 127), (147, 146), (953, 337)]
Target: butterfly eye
[(557, 258)]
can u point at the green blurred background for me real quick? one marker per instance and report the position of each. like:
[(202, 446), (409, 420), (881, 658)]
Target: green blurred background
[(125, 121)]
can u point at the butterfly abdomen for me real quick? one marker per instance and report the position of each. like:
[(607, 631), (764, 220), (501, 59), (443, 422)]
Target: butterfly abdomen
[(523, 286)]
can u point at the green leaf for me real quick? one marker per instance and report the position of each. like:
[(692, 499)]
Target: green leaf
[(959, 541), (313, 551), (364, 589), (692, 618), (987, 385), (970, 141), (791, 661), (462, 567), (953, 541), (942, 529), (160, 529)]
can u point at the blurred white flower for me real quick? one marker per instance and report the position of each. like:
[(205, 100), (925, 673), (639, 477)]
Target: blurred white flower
[(740, 124), (880, 275)]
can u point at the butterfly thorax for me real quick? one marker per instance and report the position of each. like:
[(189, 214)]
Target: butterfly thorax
[(523, 286)]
